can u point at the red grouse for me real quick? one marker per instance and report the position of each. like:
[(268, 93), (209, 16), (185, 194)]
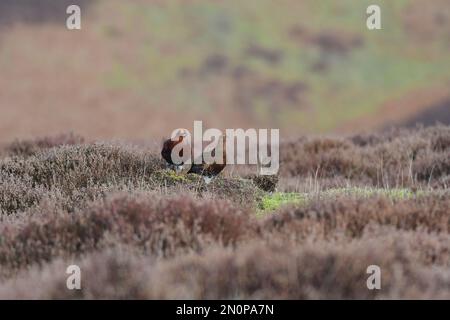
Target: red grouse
[(207, 170)]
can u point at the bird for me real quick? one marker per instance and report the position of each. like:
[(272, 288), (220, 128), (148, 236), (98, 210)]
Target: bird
[(210, 170), (168, 146)]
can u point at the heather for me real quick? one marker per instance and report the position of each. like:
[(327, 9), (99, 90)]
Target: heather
[(77, 174), (141, 231), (414, 158)]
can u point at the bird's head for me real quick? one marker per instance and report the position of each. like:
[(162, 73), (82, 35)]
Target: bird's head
[(179, 134)]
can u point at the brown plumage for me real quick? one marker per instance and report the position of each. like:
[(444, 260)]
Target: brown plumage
[(168, 146), (209, 171)]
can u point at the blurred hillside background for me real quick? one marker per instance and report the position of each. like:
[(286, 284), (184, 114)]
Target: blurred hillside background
[(139, 69)]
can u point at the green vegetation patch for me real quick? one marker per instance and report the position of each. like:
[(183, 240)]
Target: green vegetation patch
[(272, 202)]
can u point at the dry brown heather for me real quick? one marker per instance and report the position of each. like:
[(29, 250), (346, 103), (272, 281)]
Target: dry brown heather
[(140, 231), (397, 158)]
